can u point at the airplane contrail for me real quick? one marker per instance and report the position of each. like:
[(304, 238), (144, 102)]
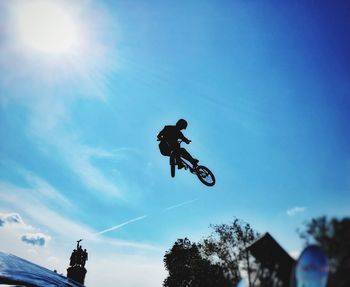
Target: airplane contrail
[(180, 204), (121, 225), (144, 216)]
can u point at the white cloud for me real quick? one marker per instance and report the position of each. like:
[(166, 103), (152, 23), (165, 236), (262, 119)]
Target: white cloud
[(38, 239), (295, 210), (10, 218), (15, 232), (27, 242)]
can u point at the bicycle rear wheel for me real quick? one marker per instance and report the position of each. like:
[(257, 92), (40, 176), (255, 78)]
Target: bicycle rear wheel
[(205, 175)]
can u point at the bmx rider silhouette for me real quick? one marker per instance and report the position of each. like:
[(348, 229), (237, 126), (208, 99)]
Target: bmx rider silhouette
[(169, 144)]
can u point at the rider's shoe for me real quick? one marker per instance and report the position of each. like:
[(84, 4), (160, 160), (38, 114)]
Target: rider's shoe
[(180, 165), (195, 162)]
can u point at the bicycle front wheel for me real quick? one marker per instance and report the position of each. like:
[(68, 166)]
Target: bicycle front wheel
[(205, 175)]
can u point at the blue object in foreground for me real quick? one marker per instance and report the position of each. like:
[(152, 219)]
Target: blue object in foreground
[(312, 268), (243, 283), (17, 271)]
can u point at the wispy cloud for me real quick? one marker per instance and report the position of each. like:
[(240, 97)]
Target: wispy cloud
[(295, 210), (54, 221), (44, 189), (123, 244), (121, 224), (143, 217), (26, 201), (83, 74), (78, 156), (180, 204)]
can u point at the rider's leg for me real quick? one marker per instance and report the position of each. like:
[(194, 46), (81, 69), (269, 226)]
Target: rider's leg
[(185, 154), (177, 155)]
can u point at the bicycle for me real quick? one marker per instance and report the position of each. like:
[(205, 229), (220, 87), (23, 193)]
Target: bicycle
[(203, 173)]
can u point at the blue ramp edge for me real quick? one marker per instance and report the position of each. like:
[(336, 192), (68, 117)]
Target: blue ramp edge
[(17, 271)]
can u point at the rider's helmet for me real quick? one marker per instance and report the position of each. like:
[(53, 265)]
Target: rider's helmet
[(181, 124)]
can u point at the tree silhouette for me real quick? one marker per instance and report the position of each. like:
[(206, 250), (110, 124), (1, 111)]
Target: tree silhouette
[(334, 237), (227, 245), (217, 260), (187, 267)]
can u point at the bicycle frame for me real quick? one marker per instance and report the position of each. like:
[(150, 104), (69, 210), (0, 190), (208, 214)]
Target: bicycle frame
[(187, 165)]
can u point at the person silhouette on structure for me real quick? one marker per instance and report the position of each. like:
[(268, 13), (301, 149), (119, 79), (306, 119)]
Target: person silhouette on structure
[(73, 258), (84, 257), (169, 138)]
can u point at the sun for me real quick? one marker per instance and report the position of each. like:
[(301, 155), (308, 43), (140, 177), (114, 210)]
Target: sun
[(46, 26)]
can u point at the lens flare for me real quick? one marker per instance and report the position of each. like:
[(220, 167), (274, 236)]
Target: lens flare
[(46, 26)]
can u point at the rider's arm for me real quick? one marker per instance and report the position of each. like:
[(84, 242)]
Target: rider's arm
[(184, 139)]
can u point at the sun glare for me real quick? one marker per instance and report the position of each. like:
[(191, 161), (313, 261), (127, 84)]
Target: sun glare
[(46, 26)]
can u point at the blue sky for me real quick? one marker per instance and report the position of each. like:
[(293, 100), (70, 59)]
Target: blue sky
[(263, 85)]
